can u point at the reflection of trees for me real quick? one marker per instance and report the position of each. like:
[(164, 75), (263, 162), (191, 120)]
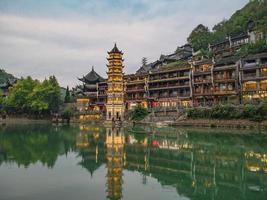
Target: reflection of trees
[(93, 155), (199, 166), (27, 144), (203, 166)]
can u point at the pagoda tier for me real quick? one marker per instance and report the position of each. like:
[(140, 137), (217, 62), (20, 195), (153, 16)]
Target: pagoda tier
[(115, 92)]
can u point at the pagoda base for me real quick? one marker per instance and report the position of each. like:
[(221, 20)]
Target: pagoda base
[(110, 123)]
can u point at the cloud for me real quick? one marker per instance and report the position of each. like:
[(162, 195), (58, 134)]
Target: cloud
[(39, 41)]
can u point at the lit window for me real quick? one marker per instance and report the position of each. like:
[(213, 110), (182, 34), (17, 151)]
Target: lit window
[(251, 85)]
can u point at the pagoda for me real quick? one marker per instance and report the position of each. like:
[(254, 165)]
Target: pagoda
[(115, 92), (87, 92)]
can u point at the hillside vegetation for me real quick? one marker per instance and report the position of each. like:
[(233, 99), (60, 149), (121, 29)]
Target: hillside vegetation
[(255, 10)]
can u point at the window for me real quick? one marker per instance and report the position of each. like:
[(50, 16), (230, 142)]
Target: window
[(264, 71), (263, 85), (251, 85)]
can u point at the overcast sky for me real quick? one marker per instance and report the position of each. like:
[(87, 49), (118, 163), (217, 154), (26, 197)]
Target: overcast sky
[(66, 37)]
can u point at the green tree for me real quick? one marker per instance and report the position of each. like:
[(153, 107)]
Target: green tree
[(200, 37), (53, 95), (34, 97), (255, 11), (18, 98), (38, 103), (259, 47), (68, 112), (67, 96)]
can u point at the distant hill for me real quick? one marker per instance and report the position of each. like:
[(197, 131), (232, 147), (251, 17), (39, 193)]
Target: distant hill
[(255, 10)]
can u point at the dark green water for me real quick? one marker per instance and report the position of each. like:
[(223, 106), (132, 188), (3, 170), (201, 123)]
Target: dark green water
[(43, 162)]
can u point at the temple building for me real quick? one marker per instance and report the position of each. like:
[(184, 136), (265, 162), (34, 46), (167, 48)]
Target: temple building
[(88, 101), (115, 90)]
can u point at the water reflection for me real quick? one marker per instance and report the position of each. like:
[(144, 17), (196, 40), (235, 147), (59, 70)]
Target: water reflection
[(198, 165), (115, 158)]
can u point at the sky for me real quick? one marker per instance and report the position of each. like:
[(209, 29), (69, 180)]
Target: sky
[(66, 38)]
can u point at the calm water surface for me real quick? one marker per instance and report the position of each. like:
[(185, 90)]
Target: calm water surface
[(44, 162)]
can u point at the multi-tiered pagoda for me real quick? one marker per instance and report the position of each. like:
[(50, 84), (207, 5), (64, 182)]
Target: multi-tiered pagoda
[(115, 92)]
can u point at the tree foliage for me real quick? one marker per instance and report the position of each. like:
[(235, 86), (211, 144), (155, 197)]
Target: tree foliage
[(33, 97), (199, 37), (67, 98), (255, 113), (68, 112), (259, 47), (139, 113)]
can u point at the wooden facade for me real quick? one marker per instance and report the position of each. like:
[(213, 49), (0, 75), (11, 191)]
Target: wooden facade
[(181, 79)]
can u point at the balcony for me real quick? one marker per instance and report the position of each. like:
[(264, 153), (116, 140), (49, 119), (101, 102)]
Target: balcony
[(249, 76), (250, 89), (203, 93), (184, 95), (201, 81), (135, 82), (225, 67), (162, 79), (225, 79), (168, 86), (136, 89), (171, 96), (134, 98), (224, 92), (100, 102), (250, 65), (102, 87)]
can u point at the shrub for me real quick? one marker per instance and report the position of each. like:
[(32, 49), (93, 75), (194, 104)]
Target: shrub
[(139, 113), (68, 112), (255, 113)]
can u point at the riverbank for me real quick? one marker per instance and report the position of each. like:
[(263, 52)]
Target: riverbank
[(210, 123), (237, 123), (24, 120), (213, 123)]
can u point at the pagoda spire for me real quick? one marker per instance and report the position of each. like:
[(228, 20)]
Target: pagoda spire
[(115, 49)]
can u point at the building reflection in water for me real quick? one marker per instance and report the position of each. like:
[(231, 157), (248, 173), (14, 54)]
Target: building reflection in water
[(89, 146), (198, 166), (195, 165), (115, 160)]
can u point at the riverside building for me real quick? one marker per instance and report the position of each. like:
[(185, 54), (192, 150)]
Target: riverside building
[(181, 79)]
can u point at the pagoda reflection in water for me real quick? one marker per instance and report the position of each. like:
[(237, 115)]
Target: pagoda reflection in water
[(198, 166), (194, 164), (115, 156)]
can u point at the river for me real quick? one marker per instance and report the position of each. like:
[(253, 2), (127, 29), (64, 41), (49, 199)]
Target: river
[(92, 162)]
